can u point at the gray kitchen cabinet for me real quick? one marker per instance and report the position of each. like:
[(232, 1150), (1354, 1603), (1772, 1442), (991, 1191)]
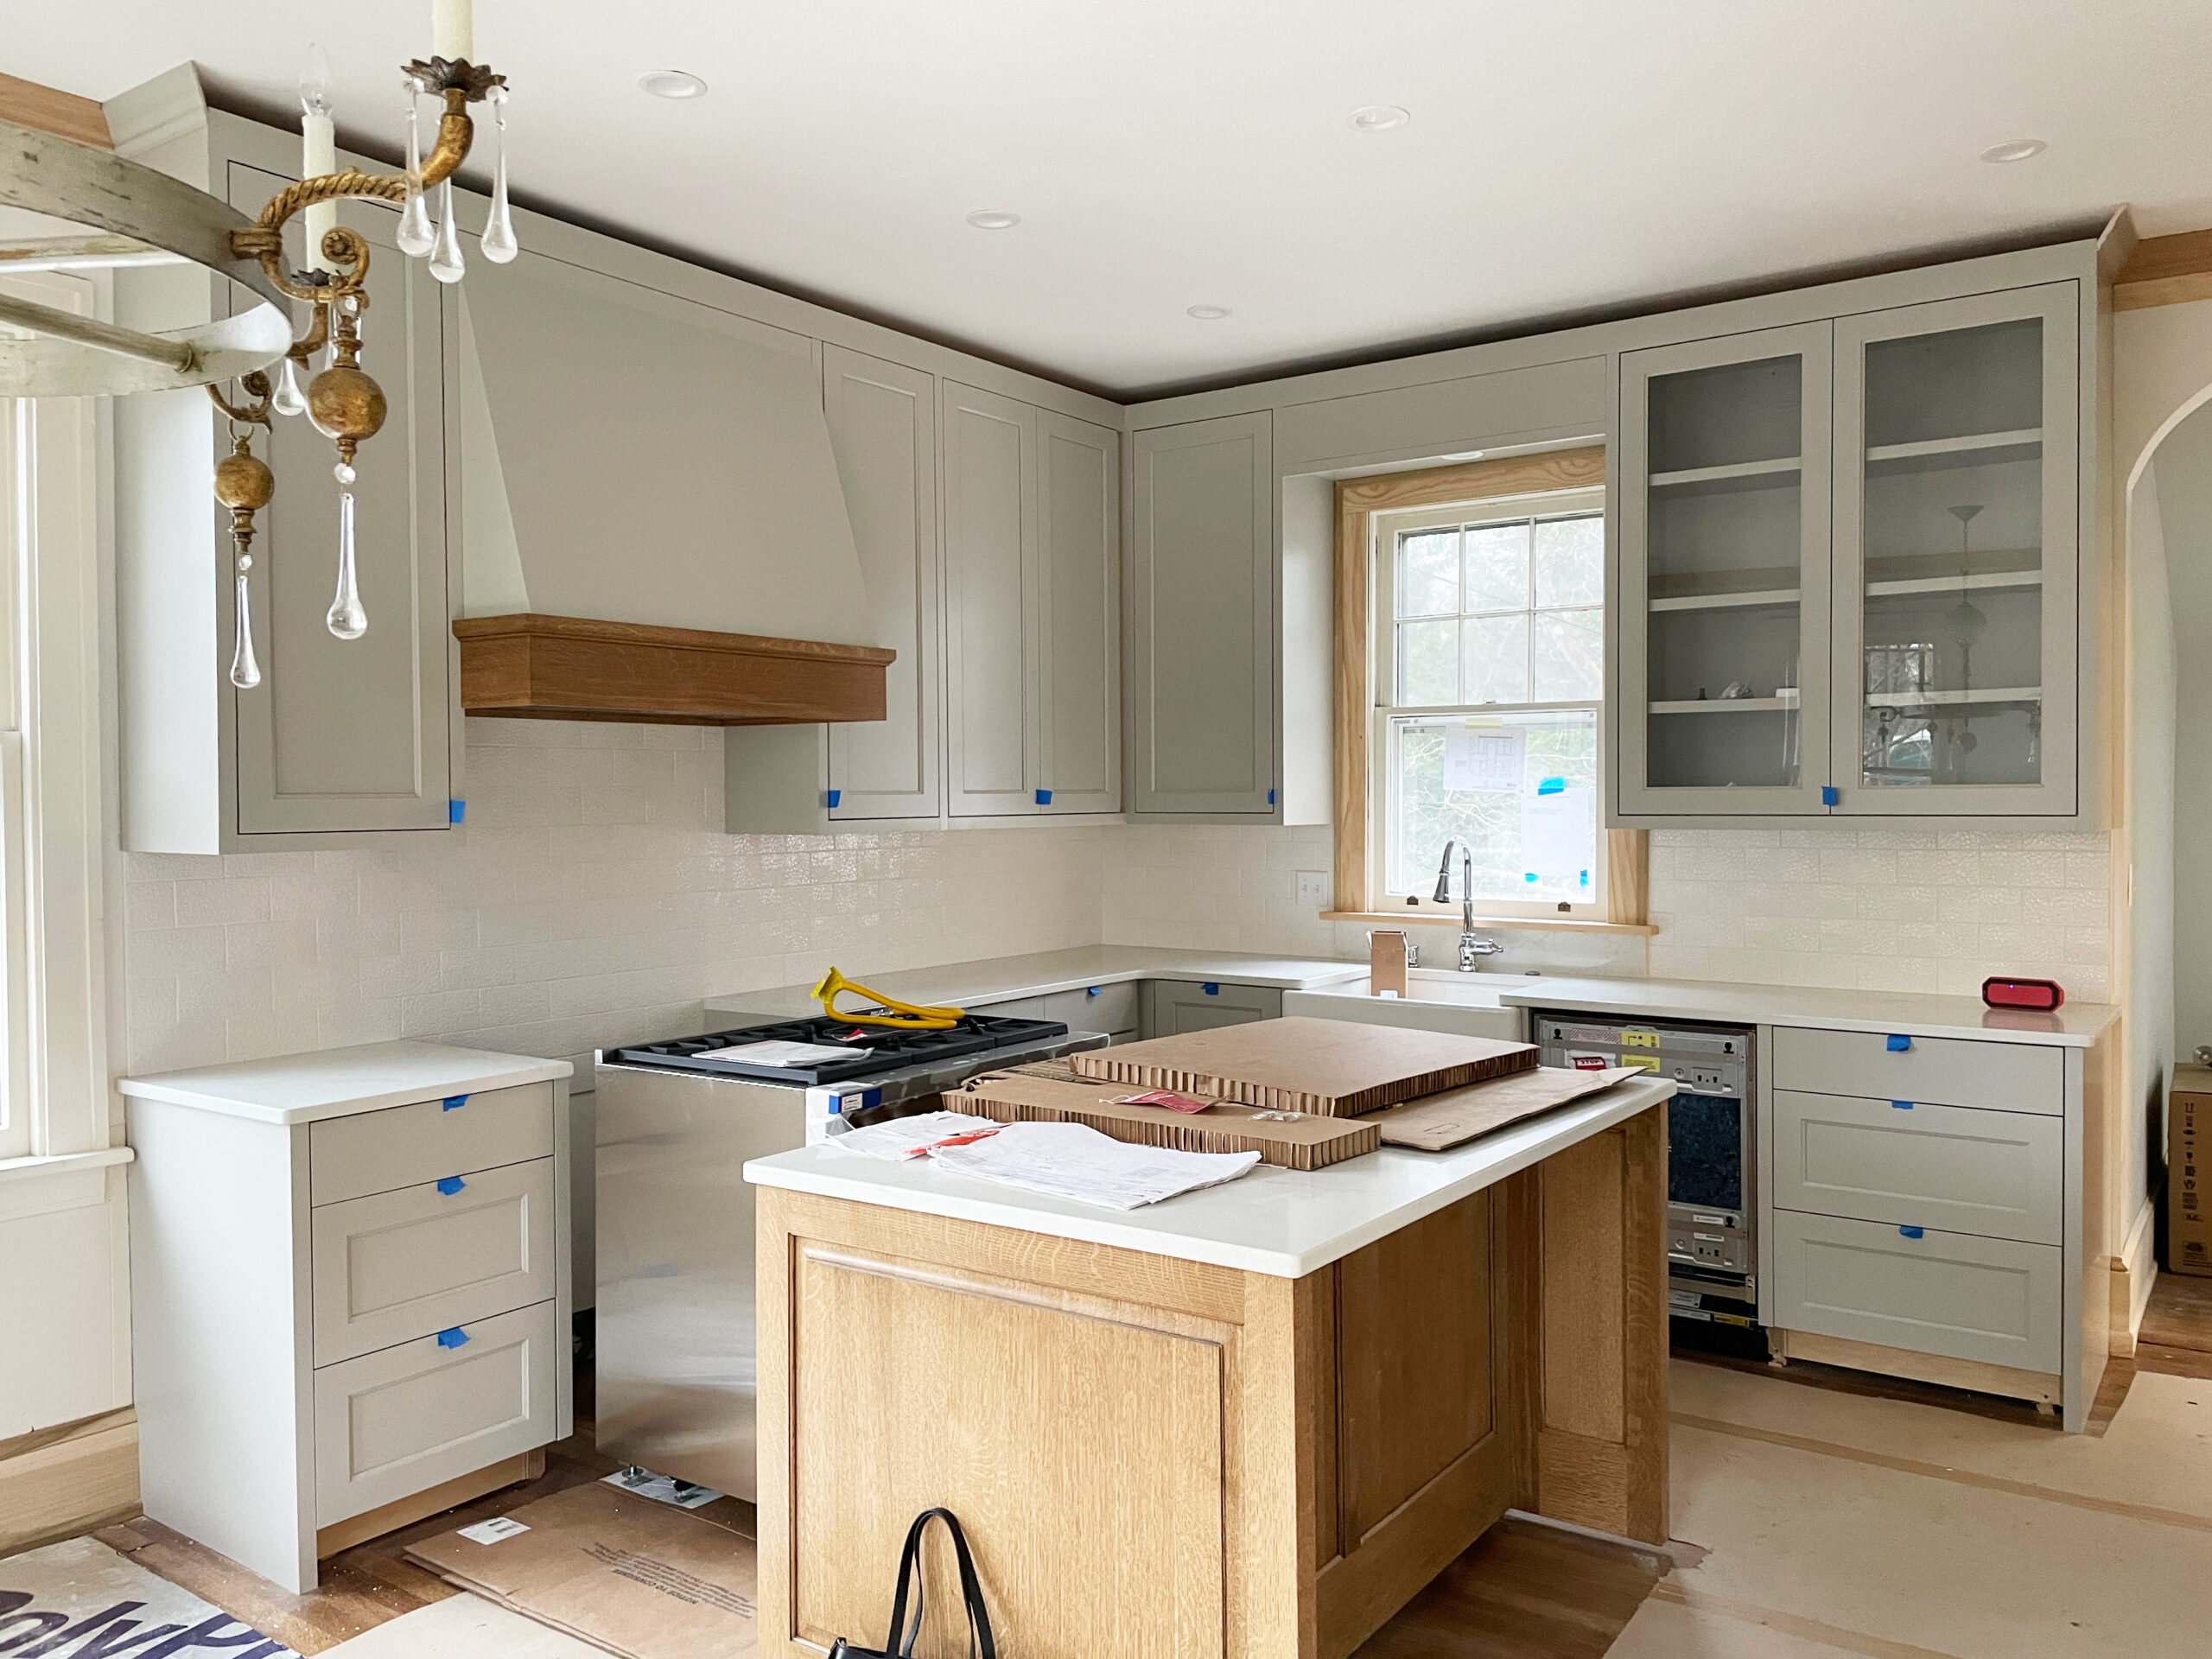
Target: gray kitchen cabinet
[(341, 737), (1031, 607), (1203, 616), (1849, 573), (1172, 1007), (883, 431)]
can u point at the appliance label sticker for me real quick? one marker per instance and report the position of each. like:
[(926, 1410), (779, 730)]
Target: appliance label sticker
[(490, 1532)]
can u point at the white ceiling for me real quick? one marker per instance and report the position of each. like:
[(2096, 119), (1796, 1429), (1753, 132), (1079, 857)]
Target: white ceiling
[(1562, 157)]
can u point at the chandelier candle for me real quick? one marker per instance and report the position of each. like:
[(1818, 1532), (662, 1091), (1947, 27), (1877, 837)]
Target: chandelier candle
[(318, 150)]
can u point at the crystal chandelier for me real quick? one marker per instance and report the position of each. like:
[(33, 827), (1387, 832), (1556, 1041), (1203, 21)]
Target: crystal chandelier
[(343, 401)]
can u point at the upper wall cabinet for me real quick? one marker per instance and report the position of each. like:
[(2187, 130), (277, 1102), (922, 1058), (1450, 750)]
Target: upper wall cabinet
[(1850, 564), (1031, 549), (341, 737), (1202, 650)]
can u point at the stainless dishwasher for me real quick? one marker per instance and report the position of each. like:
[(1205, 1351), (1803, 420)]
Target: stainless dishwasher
[(1711, 1172)]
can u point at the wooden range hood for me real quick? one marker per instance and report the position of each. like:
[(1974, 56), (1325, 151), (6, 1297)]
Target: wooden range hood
[(533, 667)]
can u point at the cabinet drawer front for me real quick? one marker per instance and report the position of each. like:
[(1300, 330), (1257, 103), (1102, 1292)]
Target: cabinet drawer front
[(1948, 1071), (1993, 1299), (1964, 1170), (407, 1146), (402, 1419), (413, 1263), (1113, 1010)]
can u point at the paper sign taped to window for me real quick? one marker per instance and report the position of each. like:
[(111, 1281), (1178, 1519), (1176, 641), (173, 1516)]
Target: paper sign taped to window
[(1491, 757), (1559, 840)]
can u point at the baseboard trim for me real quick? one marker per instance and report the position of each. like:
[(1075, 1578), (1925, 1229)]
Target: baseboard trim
[(2046, 1388), (69, 1481), (2134, 1270)]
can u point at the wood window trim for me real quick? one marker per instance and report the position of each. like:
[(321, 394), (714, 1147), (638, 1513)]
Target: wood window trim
[(1359, 499)]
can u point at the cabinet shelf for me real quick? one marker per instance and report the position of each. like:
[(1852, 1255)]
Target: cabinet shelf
[(1780, 471), (1940, 454), (1985, 582), (1784, 699), (1764, 598), (1954, 699)]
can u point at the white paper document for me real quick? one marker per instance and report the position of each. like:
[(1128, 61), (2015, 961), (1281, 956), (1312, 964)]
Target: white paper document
[(1491, 757), (1073, 1160), (910, 1137), (1559, 839), (784, 1053)]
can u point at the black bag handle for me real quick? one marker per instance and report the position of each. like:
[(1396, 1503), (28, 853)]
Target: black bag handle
[(901, 1640)]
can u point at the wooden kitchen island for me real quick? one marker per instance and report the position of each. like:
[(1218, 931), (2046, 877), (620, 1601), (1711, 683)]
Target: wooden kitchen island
[(1250, 1421)]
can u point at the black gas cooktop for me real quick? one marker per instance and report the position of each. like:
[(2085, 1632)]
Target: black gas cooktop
[(889, 1048)]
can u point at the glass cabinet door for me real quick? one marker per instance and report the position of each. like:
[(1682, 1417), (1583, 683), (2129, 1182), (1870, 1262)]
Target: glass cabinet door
[(1725, 585), (1954, 571)]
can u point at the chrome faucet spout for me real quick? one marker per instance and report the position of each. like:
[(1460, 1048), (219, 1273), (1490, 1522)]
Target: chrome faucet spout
[(1472, 945)]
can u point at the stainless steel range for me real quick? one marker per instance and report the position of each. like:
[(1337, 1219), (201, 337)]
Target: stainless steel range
[(677, 1122), (1712, 1203)]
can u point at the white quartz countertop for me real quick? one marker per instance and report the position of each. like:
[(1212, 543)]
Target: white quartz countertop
[(1284, 1222), (337, 1082), (1000, 979), (1911, 1014)]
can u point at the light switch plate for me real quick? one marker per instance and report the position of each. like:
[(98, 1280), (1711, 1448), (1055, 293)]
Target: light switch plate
[(1313, 887)]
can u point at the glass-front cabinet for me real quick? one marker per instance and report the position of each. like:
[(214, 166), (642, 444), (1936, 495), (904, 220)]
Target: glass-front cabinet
[(1848, 566), (1955, 556), (1724, 576)]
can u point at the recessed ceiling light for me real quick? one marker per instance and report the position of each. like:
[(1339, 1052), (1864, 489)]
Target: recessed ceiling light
[(2016, 150), (1209, 313), (995, 218), (1379, 117), (671, 83)]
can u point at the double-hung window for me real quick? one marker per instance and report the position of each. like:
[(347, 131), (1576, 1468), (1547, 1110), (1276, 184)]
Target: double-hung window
[(1488, 676)]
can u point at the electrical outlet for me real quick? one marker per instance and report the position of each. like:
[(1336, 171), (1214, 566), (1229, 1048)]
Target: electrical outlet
[(1313, 887)]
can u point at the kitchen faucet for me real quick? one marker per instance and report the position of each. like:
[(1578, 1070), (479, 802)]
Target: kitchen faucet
[(1472, 943)]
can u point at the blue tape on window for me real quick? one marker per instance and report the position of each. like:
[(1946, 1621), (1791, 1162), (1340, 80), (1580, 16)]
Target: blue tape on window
[(1210, 990), (1899, 1043), (451, 1185), (1914, 1232), (452, 1338), (1831, 796), (456, 811), (1529, 876), (830, 797), (1552, 787), (1586, 878), (1044, 797), (452, 1101), (1902, 1105)]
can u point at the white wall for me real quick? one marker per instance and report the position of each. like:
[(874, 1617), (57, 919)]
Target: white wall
[(2153, 702), (2182, 478)]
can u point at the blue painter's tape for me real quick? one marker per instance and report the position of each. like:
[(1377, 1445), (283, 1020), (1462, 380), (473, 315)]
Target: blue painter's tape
[(1044, 797), (1914, 1232), (1529, 876), (452, 1101), (1271, 797), (1902, 1105), (451, 1185), (830, 797), (1552, 787), (1586, 878), (1210, 990), (456, 811), (1831, 796), (452, 1338), (1899, 1043), (1095, 990)]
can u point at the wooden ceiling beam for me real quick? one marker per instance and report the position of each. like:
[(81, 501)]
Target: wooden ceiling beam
[(63, 114)]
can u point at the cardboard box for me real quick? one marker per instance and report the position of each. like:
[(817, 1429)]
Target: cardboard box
[(2188, 1171)]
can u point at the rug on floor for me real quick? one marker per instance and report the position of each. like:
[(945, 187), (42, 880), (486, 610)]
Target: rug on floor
[(80, 1599)]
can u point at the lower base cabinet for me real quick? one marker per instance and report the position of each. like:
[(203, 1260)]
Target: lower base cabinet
[(342, 1325), (1159, 1457), (1172, 1007)]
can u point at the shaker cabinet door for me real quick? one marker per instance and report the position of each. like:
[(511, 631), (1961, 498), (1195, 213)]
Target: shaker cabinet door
[(1079, 614), (1202, 658), (1957, 556), (990, 562), (883, 431), (352, 734), (1722, 610)]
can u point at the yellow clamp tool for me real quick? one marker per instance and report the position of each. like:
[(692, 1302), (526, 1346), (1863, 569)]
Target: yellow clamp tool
[(900, 1016)]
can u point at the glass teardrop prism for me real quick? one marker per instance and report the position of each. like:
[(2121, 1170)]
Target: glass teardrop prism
[(446, 262), (246, 673), (416, 236), (347, 621), (499, 240), (287, 399)]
